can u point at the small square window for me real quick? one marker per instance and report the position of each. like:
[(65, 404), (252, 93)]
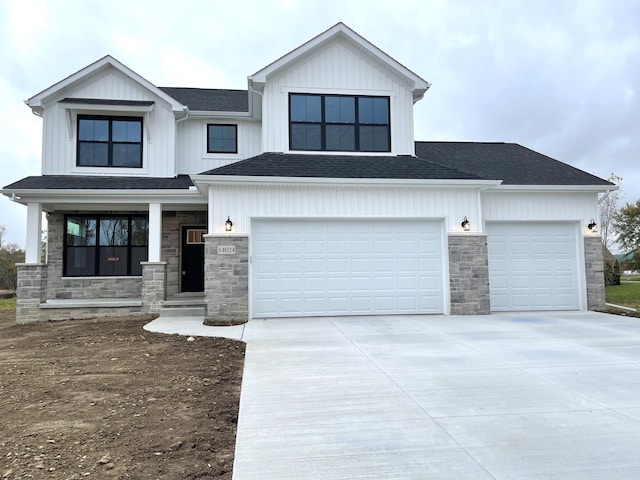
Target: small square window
[(222, 138), (195, 236)]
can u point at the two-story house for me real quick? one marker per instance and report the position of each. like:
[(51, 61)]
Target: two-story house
[(304, 195)]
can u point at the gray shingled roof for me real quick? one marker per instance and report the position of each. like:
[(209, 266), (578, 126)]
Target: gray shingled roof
[(210, 99), (85, 182), (509, 162), (340, 166)]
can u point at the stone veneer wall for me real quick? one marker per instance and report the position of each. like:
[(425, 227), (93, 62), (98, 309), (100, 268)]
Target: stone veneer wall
[(32, 281), (226, 281), (154, 285), (170, 253), (594, 272), (59, 287), (469, 275)]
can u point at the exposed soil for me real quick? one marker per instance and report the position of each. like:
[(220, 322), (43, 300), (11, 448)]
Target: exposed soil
[(105, 399)]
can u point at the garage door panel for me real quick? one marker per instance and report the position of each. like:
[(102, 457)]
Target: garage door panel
[(533, 266), (339, 267)]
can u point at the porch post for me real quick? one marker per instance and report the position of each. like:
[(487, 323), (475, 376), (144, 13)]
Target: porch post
[(155, 231), (154, 272), (34, 232)]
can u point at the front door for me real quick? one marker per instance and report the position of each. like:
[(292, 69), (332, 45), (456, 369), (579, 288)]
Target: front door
[(192, 278)]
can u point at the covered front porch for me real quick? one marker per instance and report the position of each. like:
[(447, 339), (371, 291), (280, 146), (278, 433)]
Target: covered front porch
[(112, 254)]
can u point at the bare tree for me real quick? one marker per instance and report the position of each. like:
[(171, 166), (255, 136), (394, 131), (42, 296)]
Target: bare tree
[(608, 211)]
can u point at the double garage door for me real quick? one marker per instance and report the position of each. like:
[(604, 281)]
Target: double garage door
[(346, 267), (533, 266)]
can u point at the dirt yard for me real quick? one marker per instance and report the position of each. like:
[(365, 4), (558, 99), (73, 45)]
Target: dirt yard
[(105, 399)]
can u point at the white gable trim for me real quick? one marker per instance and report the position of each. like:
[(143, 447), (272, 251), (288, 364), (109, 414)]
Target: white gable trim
[(38, 101), (420, 86)]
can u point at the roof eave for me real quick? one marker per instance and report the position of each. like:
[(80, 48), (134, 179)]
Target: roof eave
[(216, 113), (73, 196), (556, 188), (206, 180)]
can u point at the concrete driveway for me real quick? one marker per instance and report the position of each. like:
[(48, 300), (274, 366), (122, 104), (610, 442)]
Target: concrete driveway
[(509, 396)]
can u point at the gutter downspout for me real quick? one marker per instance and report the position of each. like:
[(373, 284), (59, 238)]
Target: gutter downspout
[(185, 110), (606, 195), (252, 90)]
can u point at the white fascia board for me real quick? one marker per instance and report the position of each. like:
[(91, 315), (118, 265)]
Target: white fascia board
[(37, 101), (104, 196), (227, 180), (555, 188), (420, 86)]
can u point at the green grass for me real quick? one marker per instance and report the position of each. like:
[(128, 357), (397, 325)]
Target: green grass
[(7, 303), (627, 294), (630, 279)]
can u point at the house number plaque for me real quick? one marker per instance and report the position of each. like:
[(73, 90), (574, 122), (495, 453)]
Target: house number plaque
[(226, 249)]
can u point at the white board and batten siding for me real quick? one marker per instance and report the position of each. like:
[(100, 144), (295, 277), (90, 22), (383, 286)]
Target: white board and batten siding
[(59, 143), (331, 267), (192, 144), (245, 202), (341, 68), (531, 206)]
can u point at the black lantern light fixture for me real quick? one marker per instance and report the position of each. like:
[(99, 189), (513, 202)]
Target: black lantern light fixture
[(228, 225), (593, 226), (466, 225)]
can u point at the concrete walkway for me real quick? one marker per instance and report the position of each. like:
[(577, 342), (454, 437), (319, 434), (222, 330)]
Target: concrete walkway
[(509, 396), (193, 326)]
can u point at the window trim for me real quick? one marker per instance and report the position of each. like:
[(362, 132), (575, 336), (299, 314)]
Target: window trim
[(97, 247), (323, 123), (235, 129), (110, 142)]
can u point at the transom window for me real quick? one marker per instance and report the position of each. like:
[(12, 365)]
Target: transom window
[(222, 138), (105, 245), (339, 123), (109, 141)]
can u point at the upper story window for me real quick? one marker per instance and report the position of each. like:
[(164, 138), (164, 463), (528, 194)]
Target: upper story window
[(109, 141), (222, 138), (339, 123)]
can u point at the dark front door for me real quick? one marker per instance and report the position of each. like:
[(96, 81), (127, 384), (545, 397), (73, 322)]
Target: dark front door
[(193, 259)]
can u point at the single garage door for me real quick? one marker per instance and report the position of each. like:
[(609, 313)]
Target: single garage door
[(533, 266), (346, 267)]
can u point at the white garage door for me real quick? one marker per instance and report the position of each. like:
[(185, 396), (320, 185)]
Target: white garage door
[(533, 266), (346, 267)]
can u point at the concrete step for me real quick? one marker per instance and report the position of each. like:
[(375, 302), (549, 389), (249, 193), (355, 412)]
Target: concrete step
[(182, 311)]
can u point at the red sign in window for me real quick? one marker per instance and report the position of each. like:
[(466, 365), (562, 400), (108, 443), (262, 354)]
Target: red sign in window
[(113, 259)]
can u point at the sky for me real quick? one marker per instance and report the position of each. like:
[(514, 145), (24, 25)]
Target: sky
[(559, 77)]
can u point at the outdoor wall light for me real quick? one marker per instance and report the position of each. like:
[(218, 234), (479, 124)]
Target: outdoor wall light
[(466, 226), (593, 226), (228, 225)]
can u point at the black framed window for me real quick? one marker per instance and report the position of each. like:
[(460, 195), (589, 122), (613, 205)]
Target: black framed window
[(339, 123), (103, 245), (109, 141), (222, 138)]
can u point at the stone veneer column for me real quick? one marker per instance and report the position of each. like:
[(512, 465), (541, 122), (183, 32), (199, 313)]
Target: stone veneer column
[(226, 279), (469, 274), (154, 285), (32, 290), (594, 272)]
